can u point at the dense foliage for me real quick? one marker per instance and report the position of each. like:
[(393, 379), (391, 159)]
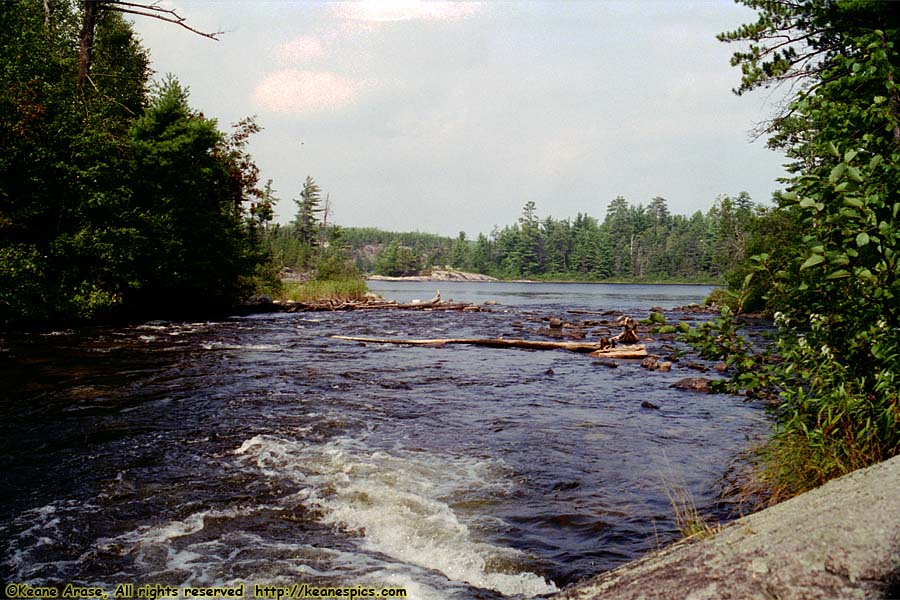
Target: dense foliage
[(115, 198), (632, 242), (834, 282), (310, 246)]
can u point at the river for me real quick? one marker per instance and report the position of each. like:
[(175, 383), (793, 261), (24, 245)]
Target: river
[(257, 449)]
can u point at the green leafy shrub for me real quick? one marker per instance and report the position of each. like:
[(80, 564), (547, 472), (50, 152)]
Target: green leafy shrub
[(834, 284)]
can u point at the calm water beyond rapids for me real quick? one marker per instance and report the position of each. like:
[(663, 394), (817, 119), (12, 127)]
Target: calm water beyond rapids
[(260, 450)]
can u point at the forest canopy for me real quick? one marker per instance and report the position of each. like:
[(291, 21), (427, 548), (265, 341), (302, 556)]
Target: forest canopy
[(632, 241), (116, 197)]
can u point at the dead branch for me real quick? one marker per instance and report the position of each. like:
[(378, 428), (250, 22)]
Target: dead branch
[(142, 9), (157, 12)]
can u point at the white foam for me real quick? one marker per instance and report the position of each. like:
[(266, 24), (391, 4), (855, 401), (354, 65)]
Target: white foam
[(398, 502), (42, 528), (396, 505), (168, 547), (250, 347)]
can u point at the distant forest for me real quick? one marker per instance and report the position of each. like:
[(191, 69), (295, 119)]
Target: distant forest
[(631, 242)]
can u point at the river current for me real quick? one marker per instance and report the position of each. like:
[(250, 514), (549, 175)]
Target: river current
[(258, 449)]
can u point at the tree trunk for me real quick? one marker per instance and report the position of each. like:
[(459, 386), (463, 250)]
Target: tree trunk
[(595, 349), (86, 47)]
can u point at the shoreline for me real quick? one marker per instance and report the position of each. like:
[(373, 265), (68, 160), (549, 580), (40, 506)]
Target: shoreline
[(462, 277), (437, 275), (830, 542)]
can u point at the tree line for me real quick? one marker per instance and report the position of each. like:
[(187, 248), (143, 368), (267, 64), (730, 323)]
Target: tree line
[(631, 242), (117, 197)]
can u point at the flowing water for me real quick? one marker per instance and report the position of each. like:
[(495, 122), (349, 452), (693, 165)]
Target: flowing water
[(260, 450)]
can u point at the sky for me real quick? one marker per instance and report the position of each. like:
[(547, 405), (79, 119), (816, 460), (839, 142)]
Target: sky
[(444, 117)]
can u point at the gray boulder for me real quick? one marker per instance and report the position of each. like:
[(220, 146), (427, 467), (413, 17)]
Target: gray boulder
[(840, 541)]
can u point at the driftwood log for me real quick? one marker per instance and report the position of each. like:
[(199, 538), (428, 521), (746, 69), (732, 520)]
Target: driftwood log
[(594, 349), (336, 305)]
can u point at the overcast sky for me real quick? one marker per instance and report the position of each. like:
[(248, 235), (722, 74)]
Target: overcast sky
[(448, 117)]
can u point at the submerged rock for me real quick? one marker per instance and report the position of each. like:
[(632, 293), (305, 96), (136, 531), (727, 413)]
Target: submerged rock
[(694, 384), (606, 363)]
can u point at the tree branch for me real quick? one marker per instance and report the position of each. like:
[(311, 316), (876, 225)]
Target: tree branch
[(789, 40), (156, 12)]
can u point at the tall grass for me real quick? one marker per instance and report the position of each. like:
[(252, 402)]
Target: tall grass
[(315, 290), (688, 519)]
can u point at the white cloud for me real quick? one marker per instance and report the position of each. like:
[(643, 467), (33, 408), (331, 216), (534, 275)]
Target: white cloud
[(300, 50), (297, 91), (387, 11)]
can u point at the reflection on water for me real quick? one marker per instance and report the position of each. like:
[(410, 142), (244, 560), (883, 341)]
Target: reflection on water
[(259, 449), (604, 296)]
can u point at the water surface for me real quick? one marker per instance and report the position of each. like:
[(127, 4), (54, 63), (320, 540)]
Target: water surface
[(259, 449), (621, 296)]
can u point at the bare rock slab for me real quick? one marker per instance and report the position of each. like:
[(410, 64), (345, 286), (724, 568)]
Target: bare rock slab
[(840, 541)]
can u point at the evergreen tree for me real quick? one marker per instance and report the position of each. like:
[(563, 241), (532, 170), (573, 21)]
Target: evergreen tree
[(558, 245), (111, 202), (483, 255), (620, 236), (194, 251), (263, 211), (528, 249), (306, 222), (460, 254), (396, 261), (588, 258), (730, 221)]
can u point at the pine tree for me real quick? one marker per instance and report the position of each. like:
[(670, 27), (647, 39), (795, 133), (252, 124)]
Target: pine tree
[(306, 223)]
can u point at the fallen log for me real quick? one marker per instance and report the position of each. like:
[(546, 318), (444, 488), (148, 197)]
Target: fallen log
[(336, 305), (595, 349), (625, 351)]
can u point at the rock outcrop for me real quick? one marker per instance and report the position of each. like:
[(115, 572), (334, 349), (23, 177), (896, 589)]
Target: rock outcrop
[(840, 541), (437, 276)]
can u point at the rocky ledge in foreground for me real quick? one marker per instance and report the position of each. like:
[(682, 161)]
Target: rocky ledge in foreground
[(840, 541)]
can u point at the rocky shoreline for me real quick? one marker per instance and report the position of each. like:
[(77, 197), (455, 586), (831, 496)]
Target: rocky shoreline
[(437, 276)]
